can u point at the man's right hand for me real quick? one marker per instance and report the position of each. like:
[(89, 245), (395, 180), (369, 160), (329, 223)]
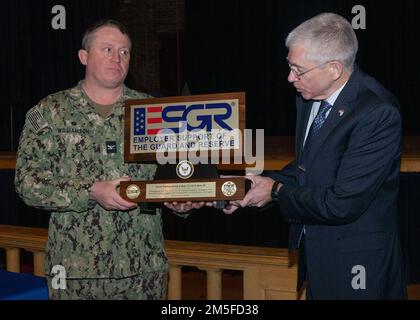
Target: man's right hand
[(105, 193)]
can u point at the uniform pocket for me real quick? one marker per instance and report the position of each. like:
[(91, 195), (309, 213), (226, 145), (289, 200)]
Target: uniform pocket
[(364, 242)]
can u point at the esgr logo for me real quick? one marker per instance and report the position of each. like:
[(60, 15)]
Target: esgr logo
[(206, 116)]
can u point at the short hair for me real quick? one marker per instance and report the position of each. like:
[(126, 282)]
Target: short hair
[(328, 37), (90, 31)]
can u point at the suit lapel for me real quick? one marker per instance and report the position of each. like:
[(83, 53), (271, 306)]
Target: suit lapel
[(304, 111)]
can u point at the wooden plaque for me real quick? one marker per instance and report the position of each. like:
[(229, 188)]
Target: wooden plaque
[(185, 190), (209, 127)]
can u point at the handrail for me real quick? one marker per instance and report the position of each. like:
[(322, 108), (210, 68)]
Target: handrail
[(279, 151), (268, 273), (14, 238)]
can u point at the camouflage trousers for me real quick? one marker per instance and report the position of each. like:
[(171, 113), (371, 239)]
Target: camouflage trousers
[(149, 286)]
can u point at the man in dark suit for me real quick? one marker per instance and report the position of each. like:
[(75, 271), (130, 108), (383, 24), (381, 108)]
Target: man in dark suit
[(340, 193)]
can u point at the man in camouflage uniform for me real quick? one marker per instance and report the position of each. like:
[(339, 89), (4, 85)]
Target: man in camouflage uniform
[(70, 161)]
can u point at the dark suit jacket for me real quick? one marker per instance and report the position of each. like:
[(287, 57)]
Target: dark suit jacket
[(348, 202)]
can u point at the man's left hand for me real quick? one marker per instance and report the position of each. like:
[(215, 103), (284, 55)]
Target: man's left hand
[(260, 193)]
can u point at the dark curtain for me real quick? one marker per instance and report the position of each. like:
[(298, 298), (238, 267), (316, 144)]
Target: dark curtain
[(248, 226), (38, 60), (234, 45), (409, 209)]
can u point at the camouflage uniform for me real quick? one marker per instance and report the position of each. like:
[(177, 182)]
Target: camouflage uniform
[(63, 150)]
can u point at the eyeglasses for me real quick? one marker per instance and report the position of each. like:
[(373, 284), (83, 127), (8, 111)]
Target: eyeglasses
[(299, 74)]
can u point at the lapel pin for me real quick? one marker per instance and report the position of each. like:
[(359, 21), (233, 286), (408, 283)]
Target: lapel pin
[(341, 112)]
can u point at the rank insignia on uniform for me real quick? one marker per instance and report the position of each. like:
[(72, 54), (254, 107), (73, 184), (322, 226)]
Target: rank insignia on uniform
[(111, 147)]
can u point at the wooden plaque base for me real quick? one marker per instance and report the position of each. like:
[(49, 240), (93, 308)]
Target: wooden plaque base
[(211, 189)]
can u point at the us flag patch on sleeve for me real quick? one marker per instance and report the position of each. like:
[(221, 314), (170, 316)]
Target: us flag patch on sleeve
[(36, 120)]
